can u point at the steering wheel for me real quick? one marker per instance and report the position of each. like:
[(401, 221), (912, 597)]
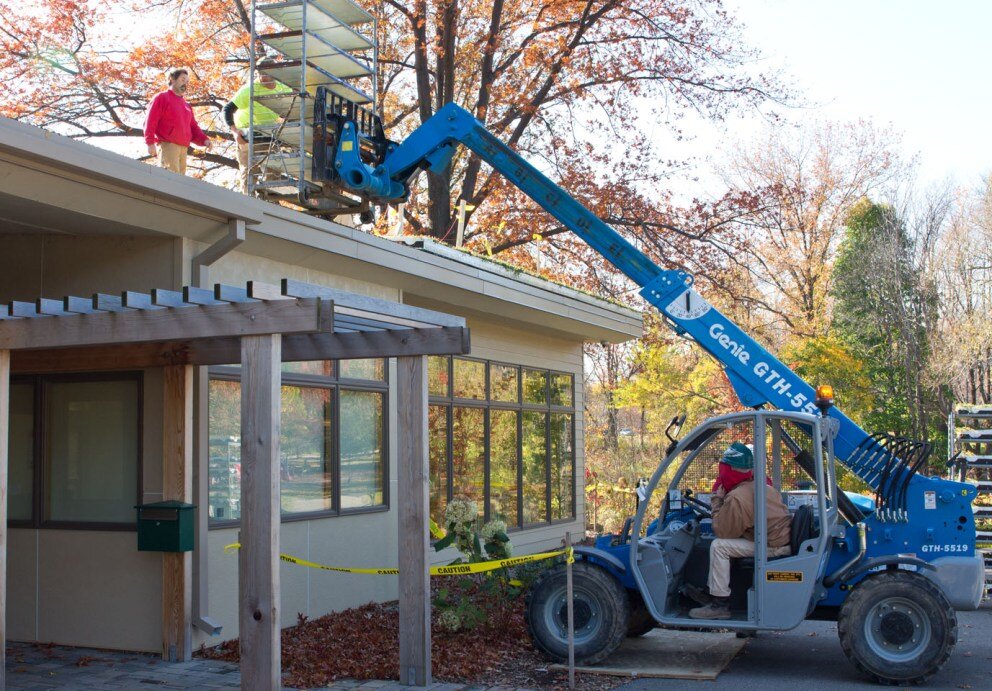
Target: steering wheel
[(699, 507)]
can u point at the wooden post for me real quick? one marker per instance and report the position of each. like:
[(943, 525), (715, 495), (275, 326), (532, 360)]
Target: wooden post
[(570, 613), (4, 438), (177, 484), (258, 562), (413, 512)]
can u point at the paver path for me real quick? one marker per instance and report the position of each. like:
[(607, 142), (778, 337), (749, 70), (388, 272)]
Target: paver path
[(36, 667)]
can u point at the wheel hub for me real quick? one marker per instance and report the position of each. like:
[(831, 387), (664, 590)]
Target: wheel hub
[(897, 628), (581, 613), (585, 610)]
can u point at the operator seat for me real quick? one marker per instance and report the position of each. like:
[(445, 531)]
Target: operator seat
[(803, 528)]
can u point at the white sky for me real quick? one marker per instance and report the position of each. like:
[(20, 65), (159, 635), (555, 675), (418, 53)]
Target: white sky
[(917, 65), (921, 67)]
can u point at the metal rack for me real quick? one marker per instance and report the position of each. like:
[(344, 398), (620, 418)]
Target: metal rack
[(322, 47), (969, 442)]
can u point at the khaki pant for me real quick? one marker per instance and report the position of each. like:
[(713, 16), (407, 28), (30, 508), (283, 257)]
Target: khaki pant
[(243, 165), (722, 550), (172, 157)]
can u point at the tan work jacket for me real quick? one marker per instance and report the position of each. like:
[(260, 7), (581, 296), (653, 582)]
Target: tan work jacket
[(733, 515)]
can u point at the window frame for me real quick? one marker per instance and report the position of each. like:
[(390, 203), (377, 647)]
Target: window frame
[(488, 404), (39, 453), (335, 384)]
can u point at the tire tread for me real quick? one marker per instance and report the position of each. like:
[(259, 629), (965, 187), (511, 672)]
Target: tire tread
[(855, 604), (615, 594)]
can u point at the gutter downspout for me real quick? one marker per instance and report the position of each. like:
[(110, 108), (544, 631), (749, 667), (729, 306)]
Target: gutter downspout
[(201, 383)]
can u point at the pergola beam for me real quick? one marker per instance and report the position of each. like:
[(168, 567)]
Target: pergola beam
[(224, 351), (310, 315)]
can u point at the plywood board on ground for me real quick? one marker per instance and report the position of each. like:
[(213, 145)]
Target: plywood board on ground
[(667, 654)]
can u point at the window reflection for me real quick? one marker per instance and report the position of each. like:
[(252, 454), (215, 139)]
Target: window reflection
[(304, 450), (524, 439), (362, 466), (535, 456), (535, 386), (503, 466), (470, 379), (503, 383), (332, 440), (468, 454)]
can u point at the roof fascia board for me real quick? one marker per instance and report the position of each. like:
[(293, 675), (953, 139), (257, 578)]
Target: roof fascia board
[(110, 171), (434, 270)]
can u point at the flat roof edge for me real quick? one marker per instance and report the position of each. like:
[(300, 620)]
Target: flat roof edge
[(44, 146), (441, 250)]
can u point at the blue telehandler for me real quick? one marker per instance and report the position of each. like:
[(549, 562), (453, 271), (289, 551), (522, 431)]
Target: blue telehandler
[(891, 569)]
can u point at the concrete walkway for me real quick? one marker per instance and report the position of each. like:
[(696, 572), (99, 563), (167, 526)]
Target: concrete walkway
[(35, 667)]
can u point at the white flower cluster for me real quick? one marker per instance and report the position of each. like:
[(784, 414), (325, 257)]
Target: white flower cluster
[(492, 529), (449, 621), (460, 511)]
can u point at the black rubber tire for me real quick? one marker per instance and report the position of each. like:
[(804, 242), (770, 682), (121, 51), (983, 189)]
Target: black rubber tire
[(639, 619), (898, 598), (600, 607)]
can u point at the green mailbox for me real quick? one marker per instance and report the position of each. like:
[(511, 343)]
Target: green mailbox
[(165, 526)]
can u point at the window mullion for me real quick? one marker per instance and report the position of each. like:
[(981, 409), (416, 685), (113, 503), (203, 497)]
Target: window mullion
[(520, 469), (547, 466), (486, 463), (334, 452)]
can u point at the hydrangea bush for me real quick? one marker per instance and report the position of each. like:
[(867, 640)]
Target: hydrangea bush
[(461, 518), (465, 605)]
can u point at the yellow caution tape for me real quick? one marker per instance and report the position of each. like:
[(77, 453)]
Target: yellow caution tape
[(609, 488), (453, 570), (436, 531)]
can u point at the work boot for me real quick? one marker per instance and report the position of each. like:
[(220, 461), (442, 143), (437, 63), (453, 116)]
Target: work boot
[(718, 608), (696, 594)]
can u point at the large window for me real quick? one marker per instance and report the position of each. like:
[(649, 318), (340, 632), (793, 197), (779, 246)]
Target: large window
[(502, 435), (75, 450), (332, 442)]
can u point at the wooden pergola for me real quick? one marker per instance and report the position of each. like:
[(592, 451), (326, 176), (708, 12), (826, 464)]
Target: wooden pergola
[(259, 326)]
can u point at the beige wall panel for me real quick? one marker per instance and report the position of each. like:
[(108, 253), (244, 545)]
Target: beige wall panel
[(22, 585), (222, 588), (98, 590), (293, 540), (495, 341), (33, 266), (238, 267), (364, 540), (358, 540)]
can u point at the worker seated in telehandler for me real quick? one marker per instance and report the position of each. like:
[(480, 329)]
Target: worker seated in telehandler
[(732, 505)]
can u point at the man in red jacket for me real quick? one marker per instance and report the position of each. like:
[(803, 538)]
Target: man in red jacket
[(170, 126)]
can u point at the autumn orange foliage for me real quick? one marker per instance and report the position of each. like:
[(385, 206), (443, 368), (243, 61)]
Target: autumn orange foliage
[(575, 86), (88, 68)]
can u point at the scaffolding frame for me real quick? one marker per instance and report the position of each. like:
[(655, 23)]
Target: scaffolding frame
[(282, 167)]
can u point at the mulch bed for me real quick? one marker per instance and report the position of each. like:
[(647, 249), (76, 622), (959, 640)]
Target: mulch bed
[(362, 643)]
